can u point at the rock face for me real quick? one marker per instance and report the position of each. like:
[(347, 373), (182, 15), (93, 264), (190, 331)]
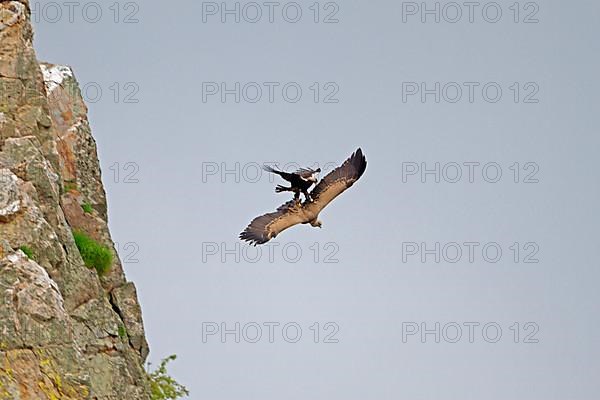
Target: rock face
[(65, 332)]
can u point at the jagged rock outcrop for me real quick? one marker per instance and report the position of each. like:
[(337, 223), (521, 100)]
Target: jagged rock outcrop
[(65, 332)]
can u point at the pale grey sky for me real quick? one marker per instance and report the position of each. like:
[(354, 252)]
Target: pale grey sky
[(371, 68)]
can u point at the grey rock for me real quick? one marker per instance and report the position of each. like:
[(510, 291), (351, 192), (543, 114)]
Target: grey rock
[(65, 332)]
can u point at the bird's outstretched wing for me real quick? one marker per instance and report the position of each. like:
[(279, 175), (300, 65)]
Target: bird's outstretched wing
[(338, 180), (266, 227)]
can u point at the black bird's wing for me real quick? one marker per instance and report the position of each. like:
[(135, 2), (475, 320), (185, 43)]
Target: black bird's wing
[(285, 175), (305, 173)]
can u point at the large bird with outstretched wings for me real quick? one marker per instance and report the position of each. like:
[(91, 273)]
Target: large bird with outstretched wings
[(266, 227), (300, 181)]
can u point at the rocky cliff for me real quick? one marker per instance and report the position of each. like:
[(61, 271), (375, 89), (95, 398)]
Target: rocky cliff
[(66, 332)]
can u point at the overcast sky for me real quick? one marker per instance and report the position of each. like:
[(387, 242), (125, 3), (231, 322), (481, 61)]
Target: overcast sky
[(475, 224)]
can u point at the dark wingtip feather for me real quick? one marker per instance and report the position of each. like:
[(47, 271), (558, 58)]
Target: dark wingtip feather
[(251, 237), (359, 162), (255, 233)]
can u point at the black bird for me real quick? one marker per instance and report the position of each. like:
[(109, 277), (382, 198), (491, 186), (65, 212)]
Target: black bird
[(301, 181)]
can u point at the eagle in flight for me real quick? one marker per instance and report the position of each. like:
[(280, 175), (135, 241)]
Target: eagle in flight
[(300, 181), (266, 227)]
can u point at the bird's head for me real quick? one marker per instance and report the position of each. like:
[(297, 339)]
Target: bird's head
[(314, 177), (316, 223)]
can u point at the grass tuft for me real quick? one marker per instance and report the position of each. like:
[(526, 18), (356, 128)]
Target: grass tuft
[(122, 332), (87, 208), (94, 254), (70, 186), (27, 250)]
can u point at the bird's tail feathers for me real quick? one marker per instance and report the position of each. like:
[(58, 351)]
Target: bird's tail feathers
[(271, 169)]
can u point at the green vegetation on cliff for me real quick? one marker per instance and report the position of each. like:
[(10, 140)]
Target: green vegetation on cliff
[(27, 250), (162, 386), (87, 208), (94, 254)]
